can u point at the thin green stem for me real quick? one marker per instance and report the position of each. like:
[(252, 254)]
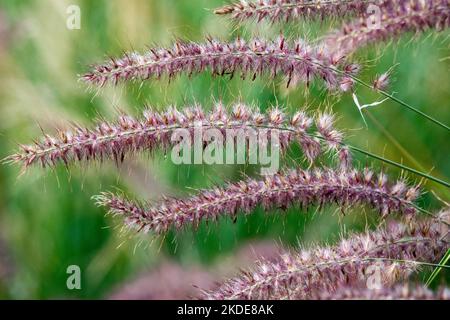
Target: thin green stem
[(384, 93), (372, 155), (436, 271), (399, 165), (401, 102)]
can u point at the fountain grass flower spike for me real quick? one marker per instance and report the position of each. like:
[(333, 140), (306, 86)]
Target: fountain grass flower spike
[(284, 10), (298, 61), (396, 292), (154, 130), (396, 251), (397, 17), (303, 188)]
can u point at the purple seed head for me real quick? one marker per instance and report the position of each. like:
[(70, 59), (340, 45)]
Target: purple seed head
[(396, 292), (115, 140), (297, 61), (284, 10), (303, 188), (396, 17), (395, 250)]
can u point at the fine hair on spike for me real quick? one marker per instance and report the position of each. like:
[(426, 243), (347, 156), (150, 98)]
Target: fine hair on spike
[(294, 187)]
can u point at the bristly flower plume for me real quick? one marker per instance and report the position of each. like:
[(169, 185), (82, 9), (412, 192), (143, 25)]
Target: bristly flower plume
[(114, 140), (395, 17), (284, 10), (294, 187), (395, 251), (298, 62), (397, 292)]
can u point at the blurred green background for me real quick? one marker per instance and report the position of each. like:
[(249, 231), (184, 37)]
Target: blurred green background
[(47, 218)]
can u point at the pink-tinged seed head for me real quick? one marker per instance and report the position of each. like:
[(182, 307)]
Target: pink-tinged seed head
[(127, 135), (303, 188), (284, 10), (396, 292), (297, 61), (396, 17), (393, 251)]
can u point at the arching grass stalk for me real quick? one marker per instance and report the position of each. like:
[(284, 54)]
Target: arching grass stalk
[(128, 135)]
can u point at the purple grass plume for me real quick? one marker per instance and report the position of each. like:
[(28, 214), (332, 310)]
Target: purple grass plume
[(396, 17), (285, 10), (397, 292), (303, 188), (115, 140), (297, 62), (395, 250), (173, 281)]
